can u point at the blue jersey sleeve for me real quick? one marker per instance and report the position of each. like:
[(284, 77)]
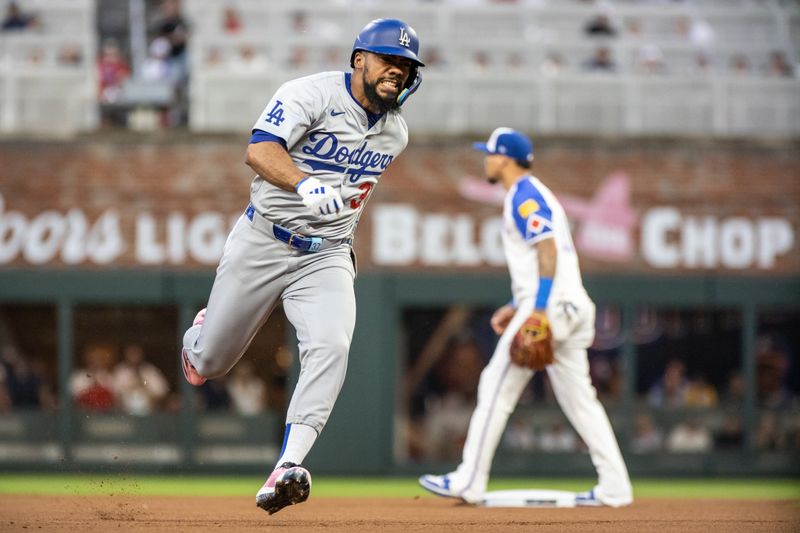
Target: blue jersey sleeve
[(533, 218), (260, 136)]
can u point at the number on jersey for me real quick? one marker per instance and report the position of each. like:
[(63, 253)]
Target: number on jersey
[(366, 187)]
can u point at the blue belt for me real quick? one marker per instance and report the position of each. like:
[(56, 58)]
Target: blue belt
[(295, 241)]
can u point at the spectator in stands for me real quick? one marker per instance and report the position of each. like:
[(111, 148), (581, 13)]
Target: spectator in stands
[(70, 55), (433, 58), (605, 376), (696, 31), (601, 61), (730, 436), (772, 372), (552, 65), (24, 381), (779, 66), (634, 27), (247, 391), (28, 386), (16, 20), (299, 22), (231, 20), (769, 436), (558, 438), (213, 58), (156, 67), (92, 386), (480, 61), (702, 65), (670, 390), (112, 70), (249, 60), (651, 60), (139, 386), (734, 390), (740, 65), (689, 437), (172, 26), (700, 393), (320, 29), (600, 26), (647, 437)]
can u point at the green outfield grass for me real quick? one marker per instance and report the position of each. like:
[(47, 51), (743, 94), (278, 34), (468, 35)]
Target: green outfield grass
[(75, 484)]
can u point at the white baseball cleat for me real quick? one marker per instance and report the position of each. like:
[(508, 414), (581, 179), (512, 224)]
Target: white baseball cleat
[(587, 499), (590, 499), (446, 487)]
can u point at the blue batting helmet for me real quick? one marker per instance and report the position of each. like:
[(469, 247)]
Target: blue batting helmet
[(392, 37)]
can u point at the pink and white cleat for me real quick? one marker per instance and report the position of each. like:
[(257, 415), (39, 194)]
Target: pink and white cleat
[(287, 485), (189, 372)]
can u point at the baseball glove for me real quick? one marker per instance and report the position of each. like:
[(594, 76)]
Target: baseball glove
[(532, 345)]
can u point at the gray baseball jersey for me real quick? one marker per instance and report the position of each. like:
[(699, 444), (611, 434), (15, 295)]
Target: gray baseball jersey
[(328, 135)]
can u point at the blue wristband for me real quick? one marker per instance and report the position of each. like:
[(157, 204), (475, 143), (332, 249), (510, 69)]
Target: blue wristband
[(545, 284), (299, 182)]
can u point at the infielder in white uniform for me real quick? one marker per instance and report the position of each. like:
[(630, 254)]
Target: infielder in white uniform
[(318, 149), (545, 276)]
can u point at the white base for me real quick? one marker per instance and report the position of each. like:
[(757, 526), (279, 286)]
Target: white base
[(529, 498)]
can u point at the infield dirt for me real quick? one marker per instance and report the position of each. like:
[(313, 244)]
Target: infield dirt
[(85, 514)]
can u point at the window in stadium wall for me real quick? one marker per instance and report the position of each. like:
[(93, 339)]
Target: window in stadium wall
[(689, 380), (126, 385), (28, 358), (125, 359), (778, 380), (445, 350)]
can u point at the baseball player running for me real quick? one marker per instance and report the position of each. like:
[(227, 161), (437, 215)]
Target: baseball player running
[(319, 148), (550, 305)]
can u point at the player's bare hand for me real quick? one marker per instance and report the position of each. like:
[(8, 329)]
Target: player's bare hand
[(501, 318), (323, 200)]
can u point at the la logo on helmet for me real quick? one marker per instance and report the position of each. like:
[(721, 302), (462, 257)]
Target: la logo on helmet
[(404, 39)]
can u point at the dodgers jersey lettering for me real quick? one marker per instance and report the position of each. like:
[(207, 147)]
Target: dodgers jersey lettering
[(531, 213), (328, 136)]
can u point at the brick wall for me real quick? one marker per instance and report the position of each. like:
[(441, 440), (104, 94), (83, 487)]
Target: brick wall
[(118, 179)]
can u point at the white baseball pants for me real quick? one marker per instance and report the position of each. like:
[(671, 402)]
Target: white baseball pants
[(501, 385)]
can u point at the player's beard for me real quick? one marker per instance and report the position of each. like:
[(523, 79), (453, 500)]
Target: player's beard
[(384, 105)]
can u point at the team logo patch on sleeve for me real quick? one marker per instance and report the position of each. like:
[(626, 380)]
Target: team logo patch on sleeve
[(536, 225), (527, 208)]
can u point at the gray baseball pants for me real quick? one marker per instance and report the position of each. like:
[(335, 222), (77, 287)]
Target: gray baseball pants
[(318, 298)]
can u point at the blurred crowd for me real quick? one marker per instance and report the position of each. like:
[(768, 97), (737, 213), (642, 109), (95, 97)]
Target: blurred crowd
[(600, 29), (148, 89), (130, 384), (679, 411)]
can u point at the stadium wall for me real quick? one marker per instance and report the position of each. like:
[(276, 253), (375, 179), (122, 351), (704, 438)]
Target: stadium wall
[(141, 221)]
